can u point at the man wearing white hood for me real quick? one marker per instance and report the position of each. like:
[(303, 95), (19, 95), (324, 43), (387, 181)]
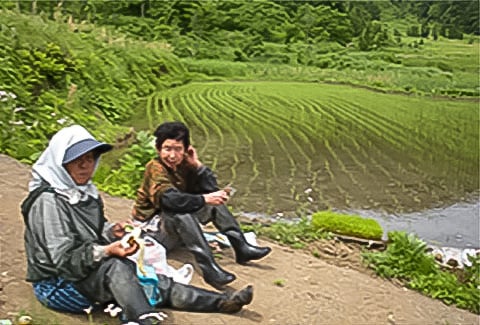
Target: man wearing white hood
[(75, 259)]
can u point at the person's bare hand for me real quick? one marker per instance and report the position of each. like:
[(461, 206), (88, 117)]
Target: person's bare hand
[(191, 157), (216, 198), (116, 249), (118, 229)]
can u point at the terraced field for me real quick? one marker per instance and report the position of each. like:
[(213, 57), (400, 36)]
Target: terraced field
[(298, 147)]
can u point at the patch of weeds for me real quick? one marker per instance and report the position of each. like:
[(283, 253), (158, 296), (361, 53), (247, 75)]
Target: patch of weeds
[(294, 234), (406, 259)]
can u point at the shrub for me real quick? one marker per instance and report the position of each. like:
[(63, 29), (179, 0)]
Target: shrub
[(125, 180)]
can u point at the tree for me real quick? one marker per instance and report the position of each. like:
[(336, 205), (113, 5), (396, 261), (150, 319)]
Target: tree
[(374, 36)]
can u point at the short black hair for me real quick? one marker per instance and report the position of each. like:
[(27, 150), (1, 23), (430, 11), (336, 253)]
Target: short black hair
[(172, 130)]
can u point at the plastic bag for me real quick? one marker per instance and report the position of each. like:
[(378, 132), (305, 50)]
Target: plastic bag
[(149, 282), (155, 255)]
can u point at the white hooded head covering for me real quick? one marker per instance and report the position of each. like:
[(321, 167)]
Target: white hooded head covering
[(66, 145)]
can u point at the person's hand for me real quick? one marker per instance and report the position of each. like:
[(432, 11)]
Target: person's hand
[(118, 229), (191, 157), (216, 198), (116, 249)]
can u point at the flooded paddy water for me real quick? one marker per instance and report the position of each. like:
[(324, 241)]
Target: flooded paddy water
[(292, 149), (457, 225)]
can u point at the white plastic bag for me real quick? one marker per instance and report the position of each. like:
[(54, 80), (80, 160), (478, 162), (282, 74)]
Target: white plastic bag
[(156, 256)]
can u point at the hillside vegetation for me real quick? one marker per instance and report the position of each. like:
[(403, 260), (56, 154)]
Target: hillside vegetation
[(52, 76), (58, 69)]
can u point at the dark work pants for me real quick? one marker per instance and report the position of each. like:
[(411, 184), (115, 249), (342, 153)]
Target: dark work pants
[(220, 216), (116, 280)]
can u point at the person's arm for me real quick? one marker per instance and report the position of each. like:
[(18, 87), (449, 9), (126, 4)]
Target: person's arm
[(203, 178), (206, 181), (175, 201)]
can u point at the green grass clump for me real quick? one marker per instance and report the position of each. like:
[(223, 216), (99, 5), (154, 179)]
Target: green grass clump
[(350, 225), (296, 235), (406, 259)]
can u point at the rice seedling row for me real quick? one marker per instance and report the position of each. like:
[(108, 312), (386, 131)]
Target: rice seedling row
[(218, 118), (201, 113), (381, 133), (192, 119), (316, 108), (403, 133), (234, 116), (241, 110), (273, 132)]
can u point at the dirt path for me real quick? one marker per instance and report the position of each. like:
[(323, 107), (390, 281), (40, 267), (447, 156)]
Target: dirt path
[(313, 291)]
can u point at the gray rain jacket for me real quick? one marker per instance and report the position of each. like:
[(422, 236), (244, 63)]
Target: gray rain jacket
[(59, 236)]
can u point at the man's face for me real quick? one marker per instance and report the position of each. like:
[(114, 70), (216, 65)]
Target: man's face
[(81, 169), (171, 153)]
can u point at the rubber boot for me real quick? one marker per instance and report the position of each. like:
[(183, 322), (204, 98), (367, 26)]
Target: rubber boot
[(190, 233), (237, 300), (228, 225), (194, 299), (245, 252)]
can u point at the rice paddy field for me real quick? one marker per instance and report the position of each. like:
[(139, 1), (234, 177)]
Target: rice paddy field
[(291, 148)]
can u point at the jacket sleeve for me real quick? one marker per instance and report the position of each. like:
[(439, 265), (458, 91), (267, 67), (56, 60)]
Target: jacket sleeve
[(107, 233), (59, 251), (154, 183), (205, 181)]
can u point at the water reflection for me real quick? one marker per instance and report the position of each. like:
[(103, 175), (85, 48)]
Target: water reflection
[(456, 226)]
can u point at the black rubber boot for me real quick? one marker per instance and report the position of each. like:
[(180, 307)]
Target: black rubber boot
[(237, 300), (228, 225), (190, 233), (193, 299), (245, 252)]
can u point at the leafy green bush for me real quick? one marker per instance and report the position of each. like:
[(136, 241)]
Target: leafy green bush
[(405, 259), (125, 180), (63, 75), (350, 225)]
